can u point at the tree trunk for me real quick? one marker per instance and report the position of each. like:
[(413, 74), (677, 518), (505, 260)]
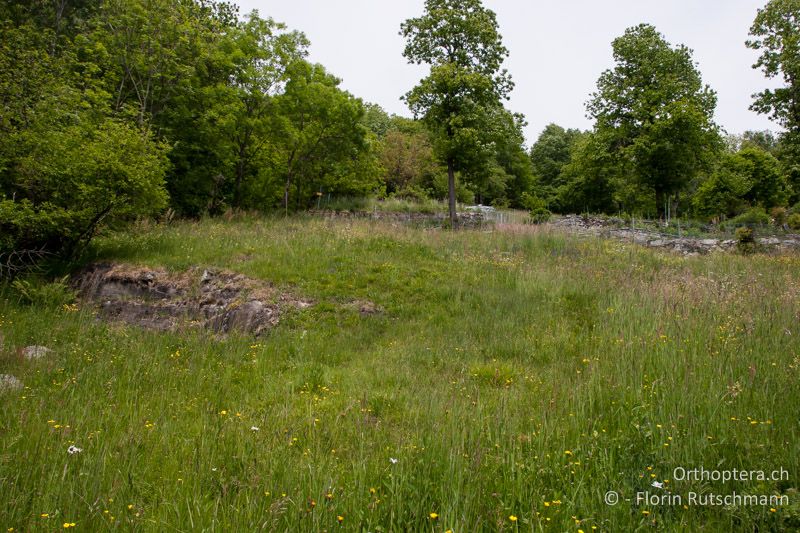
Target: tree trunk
[(660, 208), (286, 193), (451, 187)]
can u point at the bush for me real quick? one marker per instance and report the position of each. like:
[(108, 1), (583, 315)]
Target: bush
[(540, 215), (65, 184), (753, 217), (537, 207), (778, 215), (794, 221), (745, 240)]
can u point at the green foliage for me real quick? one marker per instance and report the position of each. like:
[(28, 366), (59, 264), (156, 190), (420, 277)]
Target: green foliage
[(752, 218), (793, 221), (551, 152), (408, 160), (460, 41), (654, 114), (588, 179), (37, 292), (68, 166), (319, 135), (537, 208), (749, 177), (776, 34), (745, 240), (778, 215)]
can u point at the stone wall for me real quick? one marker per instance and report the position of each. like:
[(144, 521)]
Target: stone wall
[(610, 227), (467, 220)]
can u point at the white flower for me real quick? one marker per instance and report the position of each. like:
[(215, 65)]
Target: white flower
[(393, 460), (255, 428), (72, 450), (658, 485)]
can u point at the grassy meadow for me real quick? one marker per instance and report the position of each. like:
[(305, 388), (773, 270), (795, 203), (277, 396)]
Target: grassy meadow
[(511, 380)]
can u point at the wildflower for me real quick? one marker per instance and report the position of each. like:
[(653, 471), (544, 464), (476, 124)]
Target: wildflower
[(658, 485), (72, 450), (340, 519), (393, 460), (773, 510), (255, 428), (645, 513), (329, 496), (223, 412), (512, 518), (372, 490), (567, 452), (68, 525), (433, 516)]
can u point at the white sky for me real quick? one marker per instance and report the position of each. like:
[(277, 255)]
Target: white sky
[(557, 49)]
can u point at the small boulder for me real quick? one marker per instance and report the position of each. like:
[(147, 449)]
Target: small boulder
[(35, 352), (9, 383)]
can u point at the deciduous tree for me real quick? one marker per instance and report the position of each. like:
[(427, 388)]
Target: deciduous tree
[(655, 112), (461, 42)]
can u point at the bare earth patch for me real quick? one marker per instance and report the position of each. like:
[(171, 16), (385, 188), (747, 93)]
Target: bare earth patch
[(220, 301)]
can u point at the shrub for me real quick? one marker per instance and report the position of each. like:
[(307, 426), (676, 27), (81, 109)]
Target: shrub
[(794, 221), (745, 240), (778, 215), (537, 207), (755, 216)]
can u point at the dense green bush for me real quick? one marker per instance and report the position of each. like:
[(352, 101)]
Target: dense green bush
[(756, 216), (794, 221), (745, 240)]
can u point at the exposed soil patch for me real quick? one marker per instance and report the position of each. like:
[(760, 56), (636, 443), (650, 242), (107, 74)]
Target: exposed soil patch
[(216, 300)]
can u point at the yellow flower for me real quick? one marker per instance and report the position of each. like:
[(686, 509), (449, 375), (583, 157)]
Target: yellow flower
[(340, 519), (45, 515), (433, 516), (773, 510), (372, 490), (223, 412), (512, 518), (567, 452)]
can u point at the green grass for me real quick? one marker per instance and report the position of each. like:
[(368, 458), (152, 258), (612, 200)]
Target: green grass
[(510, 374), (387, 205)]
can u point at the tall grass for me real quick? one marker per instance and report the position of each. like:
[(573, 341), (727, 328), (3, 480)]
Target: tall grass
[(518, 375)]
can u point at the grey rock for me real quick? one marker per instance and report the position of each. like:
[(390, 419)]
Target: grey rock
[(35, 352), (9, 383)]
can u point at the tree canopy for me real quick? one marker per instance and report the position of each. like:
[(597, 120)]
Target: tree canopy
[(655, 112)]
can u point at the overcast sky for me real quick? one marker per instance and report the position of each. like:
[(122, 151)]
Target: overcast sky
[(557, 49)]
